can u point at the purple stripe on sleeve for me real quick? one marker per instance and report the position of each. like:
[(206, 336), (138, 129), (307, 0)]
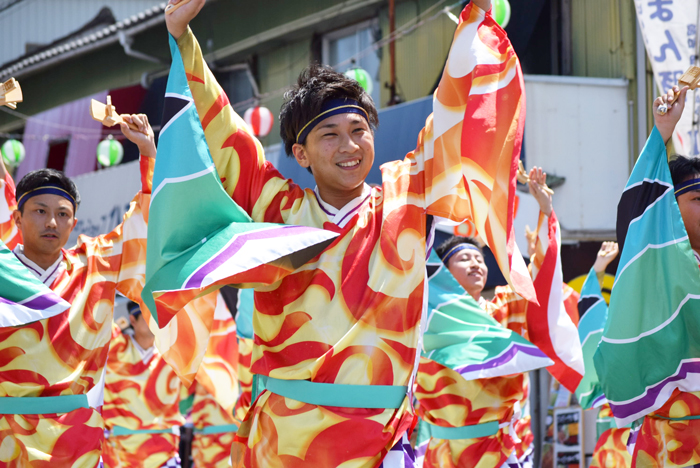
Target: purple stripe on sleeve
[(234, 247), (646, 401), (503, 359)]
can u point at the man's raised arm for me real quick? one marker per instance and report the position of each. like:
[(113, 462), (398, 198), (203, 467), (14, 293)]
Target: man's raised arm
[(238, 156)]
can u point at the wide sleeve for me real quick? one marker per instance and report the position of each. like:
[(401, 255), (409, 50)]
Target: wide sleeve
[(125, 246), (253, 183), (9, 233), (465, 163)]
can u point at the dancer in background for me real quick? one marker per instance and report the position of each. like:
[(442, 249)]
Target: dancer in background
[(57, 362), (141, 400), (477, 413)]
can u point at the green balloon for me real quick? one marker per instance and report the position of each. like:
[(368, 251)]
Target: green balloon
[(362, 77), (501, 12), (109, 152), (12, 153)]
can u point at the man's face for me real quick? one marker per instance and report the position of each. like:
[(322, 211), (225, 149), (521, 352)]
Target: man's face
[(340, 152), (689, 204), (140, 326), (46, 223), (469, 269)]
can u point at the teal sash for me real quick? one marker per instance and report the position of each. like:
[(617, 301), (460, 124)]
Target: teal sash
[(221, 429), (684, 418), (43, 405), (344, 396), (465, 432), (123, 431)]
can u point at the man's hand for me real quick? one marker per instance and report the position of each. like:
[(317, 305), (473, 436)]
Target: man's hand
[(537, 184), (178, 20), (143, 137), (607, 253), (483, 4), (666, 123)]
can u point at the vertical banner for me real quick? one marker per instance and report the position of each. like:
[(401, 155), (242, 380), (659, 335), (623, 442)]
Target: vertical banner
[(670, 31)]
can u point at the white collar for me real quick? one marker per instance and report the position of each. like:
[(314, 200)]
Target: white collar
[(47, 276), (146, 354), (341, 216)]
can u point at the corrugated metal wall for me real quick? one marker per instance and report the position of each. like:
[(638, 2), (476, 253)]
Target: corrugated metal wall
[(420, 54), (603, 38), (43, 21), (279, 69)]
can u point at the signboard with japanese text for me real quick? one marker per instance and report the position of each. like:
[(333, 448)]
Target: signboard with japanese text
[(670, 31)]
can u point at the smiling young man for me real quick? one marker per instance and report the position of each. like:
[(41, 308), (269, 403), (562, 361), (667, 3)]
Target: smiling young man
[(336, 342), (52, 370)]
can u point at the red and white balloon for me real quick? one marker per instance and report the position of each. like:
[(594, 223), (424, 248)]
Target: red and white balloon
[(260, 120)]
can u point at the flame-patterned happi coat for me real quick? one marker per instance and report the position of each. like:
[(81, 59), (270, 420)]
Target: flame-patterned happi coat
[(216, 393), (142, 393), (352, 315), (66, 354)]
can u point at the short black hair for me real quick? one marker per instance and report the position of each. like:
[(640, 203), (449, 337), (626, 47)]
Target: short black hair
[(456, 240), (316, 85), (683, 168), (133, 307), (45, 177)]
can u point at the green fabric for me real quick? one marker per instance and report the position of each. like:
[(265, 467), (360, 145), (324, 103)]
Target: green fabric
[(604, 424), (42, 405), (221, 429), (462, 336), (465, 432), (186, 404), (345, 396), (123, 431)]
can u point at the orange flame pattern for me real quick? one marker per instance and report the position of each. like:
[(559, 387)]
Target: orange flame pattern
[(670, 444), (139, 395), (65, 354), (10, 235)]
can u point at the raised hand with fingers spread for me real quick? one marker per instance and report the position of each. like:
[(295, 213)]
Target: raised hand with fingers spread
[(538, 189)]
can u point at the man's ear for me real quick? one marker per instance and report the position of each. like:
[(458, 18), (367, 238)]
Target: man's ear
[(132, 320), (75, 221), (17, 217), (300, 155)]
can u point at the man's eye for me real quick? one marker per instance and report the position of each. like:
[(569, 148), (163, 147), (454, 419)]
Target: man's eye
[(40, 211), (329, 135)]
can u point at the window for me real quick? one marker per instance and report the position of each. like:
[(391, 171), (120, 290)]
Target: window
[(352, 47)]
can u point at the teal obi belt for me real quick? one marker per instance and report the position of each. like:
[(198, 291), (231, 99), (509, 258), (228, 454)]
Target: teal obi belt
[(683, 418), (465, 432), (43, 405), (123, 431), (220, 429), (340, 395)]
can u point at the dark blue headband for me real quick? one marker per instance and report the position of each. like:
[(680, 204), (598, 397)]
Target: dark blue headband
[(134, 308), (44, 190), (458, 248), (687, 186), (330, 108)]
